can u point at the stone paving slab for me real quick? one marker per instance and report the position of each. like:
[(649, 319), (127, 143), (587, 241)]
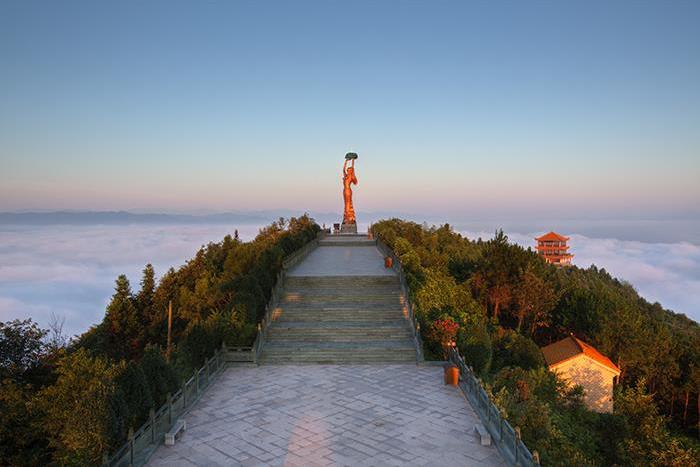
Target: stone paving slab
[(343, 261), (325, 415)]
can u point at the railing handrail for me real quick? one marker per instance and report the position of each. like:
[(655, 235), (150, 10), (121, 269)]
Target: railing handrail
[(507, 438), (397, 266), (127, 455)]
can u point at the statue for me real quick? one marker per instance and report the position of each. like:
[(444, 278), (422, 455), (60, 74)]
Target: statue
[(349, 178)]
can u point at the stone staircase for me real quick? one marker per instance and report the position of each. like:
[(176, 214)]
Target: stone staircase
[(340, 319)]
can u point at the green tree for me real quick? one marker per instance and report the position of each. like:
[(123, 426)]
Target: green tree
[(474, 343), (535, 299), (22, 438), (146, 295), (515, 350), (160, 375), (124, 324), (649, 442), (21, 347), (80, 417), (132, 389)]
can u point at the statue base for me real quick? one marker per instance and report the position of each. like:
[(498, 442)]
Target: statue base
[(348, 228)]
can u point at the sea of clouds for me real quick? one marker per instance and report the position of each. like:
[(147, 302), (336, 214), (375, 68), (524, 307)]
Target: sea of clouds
[(69, 271)]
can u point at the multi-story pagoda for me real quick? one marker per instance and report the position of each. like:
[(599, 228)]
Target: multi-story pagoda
[(554, 249)]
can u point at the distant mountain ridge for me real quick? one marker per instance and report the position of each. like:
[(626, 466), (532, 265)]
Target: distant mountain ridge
[(125, 217), (69, 217)]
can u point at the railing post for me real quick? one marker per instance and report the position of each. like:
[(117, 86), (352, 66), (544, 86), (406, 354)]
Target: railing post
[(184, 395), (222, 354), (196, 380), (152, 418), (170, 410), (130, 436)]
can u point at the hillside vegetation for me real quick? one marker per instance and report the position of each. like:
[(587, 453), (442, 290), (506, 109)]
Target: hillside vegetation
[(502, 303), (70, 404)]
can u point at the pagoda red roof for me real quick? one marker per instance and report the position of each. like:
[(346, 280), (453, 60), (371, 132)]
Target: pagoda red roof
[(552, 236), (571, 347)]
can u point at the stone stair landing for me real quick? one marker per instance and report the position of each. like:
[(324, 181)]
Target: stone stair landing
[(340, 305)]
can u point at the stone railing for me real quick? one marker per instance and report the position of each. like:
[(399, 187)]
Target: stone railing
[(415, 325), (237, 354), (506, 438), (278, 292), (142, 443)]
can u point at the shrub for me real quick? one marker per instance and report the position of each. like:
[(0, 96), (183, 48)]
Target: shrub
[(159, 374), (81, 418), (513, 349), (475, 346), (133, 389), (443, 332)]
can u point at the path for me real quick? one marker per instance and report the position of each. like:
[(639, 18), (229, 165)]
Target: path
[(315, 415), (340, 305)]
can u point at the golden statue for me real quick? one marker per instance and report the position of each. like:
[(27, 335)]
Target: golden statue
[(349, 178)]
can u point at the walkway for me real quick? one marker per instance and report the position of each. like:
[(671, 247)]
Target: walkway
[(316, 415), (332, 258), (340, 305)]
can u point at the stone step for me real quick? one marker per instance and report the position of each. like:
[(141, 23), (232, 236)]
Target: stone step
[(347, 326), (337, 359), (378, 305), (328, 316), (311, 340), (340, 319), (340, 281), (352, 290), (283, 333), (344, 302), (343, 243), (376, 345), (339, 353)]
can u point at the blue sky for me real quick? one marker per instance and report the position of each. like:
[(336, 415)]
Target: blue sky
[(513, 108)]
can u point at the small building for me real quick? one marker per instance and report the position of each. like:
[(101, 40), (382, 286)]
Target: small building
[(579, 363), (554, 248)]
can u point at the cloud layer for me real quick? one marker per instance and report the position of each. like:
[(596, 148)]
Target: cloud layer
[(70, 270)]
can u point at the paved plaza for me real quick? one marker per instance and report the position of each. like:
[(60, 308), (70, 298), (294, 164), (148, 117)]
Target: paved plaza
[(314, 415)]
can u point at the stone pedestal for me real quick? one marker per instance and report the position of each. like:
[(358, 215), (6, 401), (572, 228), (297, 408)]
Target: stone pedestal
[(348, 228)]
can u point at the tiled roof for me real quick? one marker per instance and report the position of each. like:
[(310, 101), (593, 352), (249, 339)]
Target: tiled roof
[(552, 236), (571, 347)]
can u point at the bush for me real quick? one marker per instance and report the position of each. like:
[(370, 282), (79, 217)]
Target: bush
[(81, 418), (159, 374), (552, 420), (513, 349), (133, 389), (22, 438), (475, 346)]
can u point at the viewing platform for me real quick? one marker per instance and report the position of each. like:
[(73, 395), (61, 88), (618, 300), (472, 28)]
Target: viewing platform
[(338, 382), (330, 415)]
